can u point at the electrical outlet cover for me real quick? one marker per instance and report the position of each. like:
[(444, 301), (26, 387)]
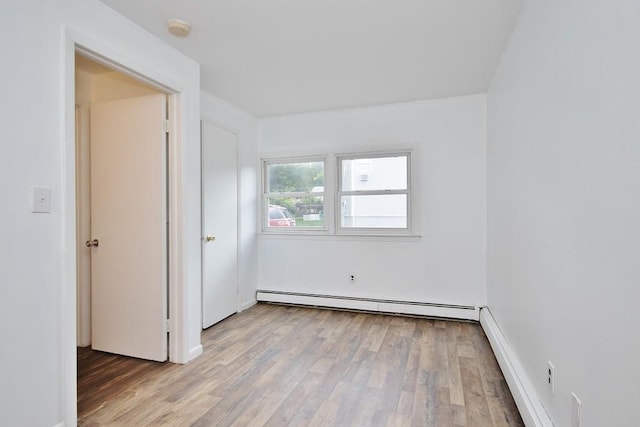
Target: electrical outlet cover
[(551, 376)]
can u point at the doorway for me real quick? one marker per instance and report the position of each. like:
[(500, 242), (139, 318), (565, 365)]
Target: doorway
[(171, 72), (121, 213)]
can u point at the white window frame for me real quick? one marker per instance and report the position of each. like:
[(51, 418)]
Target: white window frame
[(332, 195), (266, 195), (339, 193)]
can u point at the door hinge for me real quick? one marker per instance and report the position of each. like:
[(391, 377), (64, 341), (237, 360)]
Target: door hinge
[(167, 324), (166, 126)]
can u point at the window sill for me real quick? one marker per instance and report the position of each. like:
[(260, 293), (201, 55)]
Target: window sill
[(323, 235)]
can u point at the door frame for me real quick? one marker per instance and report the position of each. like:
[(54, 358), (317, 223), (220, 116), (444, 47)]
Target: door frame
[(178, 292)]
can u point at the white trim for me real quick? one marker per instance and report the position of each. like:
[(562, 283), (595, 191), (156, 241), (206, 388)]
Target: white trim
[(195, 352), (109, 63), (525, 396), (450, 311), (344, 236), (68, 303), (178, 301), (62, 424)]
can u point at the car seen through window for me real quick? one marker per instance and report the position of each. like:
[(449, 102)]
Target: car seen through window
[(279, 216)]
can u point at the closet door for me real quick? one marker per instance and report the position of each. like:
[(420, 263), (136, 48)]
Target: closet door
[(219, 224)]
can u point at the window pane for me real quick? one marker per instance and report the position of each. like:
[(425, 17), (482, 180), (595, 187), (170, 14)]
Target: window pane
[(376, 173), (294, 177), (296, 212), (374, 211)]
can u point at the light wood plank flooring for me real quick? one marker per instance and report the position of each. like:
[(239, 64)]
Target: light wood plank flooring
[(290, 366)]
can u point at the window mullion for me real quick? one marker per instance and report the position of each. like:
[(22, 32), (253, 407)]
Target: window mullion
[(372, 192)]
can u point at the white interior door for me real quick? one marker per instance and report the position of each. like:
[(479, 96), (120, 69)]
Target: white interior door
[(128, 222), (219, 224)]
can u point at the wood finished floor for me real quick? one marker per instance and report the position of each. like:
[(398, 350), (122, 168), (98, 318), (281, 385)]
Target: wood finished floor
[(290, 366)]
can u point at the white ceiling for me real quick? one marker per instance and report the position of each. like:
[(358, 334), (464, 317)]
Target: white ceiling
[(271, 57)]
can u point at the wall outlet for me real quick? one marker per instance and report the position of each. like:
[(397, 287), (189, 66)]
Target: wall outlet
[(352, 278), (41, 200), (576, 411), (551, 376)]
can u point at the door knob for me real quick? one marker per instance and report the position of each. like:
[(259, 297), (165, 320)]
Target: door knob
[(91, 243), (209, 238)]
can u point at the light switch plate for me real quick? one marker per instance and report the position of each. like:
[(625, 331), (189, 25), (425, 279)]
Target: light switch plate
[(41, 200)]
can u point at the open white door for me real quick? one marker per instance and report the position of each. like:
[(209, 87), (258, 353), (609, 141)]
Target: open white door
[(219, 224), (129, 227)]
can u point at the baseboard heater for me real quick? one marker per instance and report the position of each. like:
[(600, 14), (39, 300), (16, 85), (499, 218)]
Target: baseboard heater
[(450, 311)]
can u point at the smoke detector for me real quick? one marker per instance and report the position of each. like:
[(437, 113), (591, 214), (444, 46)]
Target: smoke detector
[(178, 27)]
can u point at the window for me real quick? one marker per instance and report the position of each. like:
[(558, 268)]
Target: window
[(366, 193), (373, 192), (294, 194)]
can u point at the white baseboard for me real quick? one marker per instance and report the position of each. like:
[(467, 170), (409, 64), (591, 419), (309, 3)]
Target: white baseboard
[(195, 352), (525, 396), (62, 424), (451, 311)]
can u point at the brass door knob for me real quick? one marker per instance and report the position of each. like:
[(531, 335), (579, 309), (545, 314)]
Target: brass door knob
[(209, 238), (91, 243)]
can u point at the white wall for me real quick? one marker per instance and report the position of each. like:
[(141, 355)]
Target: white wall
[(114, 85), (445, 265), (245, 125), (564, 204), (34, 274)]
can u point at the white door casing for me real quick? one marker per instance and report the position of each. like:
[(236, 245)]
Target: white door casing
[(219, 224), (129, 221)]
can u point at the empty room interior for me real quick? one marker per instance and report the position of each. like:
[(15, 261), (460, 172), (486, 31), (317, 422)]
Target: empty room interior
[(348, 213)]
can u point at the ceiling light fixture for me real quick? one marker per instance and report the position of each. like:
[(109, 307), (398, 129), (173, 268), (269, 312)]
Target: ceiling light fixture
[(178, 27)]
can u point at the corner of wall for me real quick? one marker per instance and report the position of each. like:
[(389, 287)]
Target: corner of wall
[(248, 304)]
